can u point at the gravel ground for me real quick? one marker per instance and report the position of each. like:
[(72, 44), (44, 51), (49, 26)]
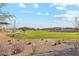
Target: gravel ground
[(45, 47)]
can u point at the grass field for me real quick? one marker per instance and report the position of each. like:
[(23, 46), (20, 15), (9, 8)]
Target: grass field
[(31, 34)]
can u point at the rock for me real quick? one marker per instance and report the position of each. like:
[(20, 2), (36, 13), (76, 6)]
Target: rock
[(42, 39)]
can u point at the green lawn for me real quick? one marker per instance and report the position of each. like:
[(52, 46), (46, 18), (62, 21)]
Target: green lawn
[(31, 34)]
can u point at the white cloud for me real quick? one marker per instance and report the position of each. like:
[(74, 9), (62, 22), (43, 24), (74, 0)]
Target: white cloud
[(39, 13), (47, 13), (69, 15), (36, 5), (22, 5), (59, 6)]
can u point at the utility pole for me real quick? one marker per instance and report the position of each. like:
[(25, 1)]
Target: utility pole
[(76, 22), (76, 43), (14, 28)]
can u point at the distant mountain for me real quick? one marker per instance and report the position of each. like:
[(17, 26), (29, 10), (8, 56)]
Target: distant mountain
[(26, 28)]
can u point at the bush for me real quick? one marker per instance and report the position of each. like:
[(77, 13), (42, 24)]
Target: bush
[(34, 49), (17, 47), (12, 49), (3, 49), (29, 43)]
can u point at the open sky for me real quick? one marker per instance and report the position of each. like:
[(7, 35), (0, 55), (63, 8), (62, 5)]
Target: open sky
[(42, 15)]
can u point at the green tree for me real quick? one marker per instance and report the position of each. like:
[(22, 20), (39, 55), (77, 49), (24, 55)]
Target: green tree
[(4, 15), (2, 5)]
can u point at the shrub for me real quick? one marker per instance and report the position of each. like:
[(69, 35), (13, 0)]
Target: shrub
[(29, 43), (3, 49), (33, 49), (17, 47), (42, 39), (9, 42), (76, 47), (54, 44), (59, 42), (12, 49)]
